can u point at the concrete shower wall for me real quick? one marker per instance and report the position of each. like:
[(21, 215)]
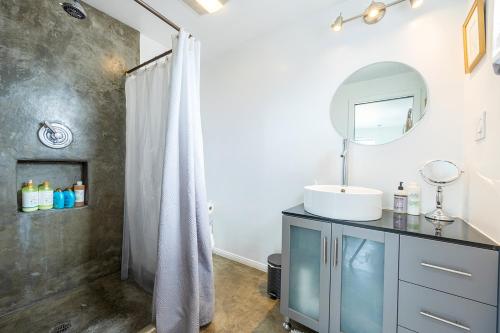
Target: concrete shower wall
[(57, 68)]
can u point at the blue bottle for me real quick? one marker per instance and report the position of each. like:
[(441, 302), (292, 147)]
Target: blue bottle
[(58, 199), (69, 198)]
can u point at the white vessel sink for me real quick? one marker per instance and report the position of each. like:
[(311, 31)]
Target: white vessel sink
[(343, 202)]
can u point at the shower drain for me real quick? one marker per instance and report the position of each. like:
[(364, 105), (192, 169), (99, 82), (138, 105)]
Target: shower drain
[(61, 327)]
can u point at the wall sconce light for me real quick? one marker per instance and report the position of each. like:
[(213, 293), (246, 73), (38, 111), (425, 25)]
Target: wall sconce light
[(339, 22), (373, 14)]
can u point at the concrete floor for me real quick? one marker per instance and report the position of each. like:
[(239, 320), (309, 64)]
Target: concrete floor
[(241, 301), (110, 305), (105, 305)]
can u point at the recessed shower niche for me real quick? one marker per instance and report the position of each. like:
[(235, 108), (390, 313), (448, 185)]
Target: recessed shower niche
[(60, 174)]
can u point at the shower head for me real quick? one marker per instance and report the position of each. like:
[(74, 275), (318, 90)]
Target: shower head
[(74, 8)]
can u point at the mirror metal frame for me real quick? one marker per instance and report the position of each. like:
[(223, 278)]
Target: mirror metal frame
[(436, 182)]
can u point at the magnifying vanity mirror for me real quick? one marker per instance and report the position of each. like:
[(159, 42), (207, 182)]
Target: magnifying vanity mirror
[(440, 173), (379, 103)]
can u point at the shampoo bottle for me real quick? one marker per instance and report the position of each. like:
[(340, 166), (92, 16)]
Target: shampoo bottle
[(45, 196), (69, 198), (413, 190), (29, 197), (79, 194), (58, 199), (400, 200)]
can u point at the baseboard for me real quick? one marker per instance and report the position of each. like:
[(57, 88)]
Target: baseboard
[(240, 259)]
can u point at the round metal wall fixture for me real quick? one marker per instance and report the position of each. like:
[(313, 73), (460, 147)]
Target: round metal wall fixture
[(55, 135)]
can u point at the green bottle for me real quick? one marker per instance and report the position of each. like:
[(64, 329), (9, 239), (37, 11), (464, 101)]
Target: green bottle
[(45, 196), (29, 197)]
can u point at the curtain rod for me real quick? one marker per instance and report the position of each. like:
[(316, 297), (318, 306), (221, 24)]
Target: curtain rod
[(164, 19)]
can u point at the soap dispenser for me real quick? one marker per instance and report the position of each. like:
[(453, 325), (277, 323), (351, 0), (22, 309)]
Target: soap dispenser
[(400, 200)]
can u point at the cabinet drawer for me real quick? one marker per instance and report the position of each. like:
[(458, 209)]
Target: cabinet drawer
[(456, 269), (426, 310)]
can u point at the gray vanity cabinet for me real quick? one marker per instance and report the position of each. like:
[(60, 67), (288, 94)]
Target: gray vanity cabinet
[(338, 278), (349, 277), (305, 277), (364, 281)]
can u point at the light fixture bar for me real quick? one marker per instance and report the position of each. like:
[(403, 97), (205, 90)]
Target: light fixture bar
[(337, 27), (397, 2), (353, 18)]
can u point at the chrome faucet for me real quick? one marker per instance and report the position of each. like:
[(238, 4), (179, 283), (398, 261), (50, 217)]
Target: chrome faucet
[(345, 162)]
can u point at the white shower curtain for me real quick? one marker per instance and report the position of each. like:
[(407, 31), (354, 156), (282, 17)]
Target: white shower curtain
[(184, 292), (147, 104), (166, 237)]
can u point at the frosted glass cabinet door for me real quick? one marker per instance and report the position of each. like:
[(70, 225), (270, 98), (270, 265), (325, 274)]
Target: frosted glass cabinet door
[(364, 281), (306, 272)]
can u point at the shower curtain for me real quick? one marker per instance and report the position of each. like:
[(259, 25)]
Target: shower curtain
[(147, 104), (184, 291), (166, 191)]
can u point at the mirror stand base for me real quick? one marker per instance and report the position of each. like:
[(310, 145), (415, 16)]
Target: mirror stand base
[(440, 215)]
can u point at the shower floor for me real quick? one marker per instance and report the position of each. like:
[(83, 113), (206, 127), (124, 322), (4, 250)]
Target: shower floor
[(109, 305), (105, 305)]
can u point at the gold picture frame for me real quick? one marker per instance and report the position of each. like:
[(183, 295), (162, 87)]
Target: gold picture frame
[(474, 34)]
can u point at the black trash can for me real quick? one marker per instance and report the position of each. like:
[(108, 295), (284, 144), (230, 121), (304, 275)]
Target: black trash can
[(274, 275)]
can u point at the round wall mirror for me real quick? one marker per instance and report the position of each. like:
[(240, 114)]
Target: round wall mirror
[(379, 103)]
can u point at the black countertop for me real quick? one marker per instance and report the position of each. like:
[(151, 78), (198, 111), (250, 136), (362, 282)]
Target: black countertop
[(458, 232)]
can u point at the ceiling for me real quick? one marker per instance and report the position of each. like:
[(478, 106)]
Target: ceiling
[(237, 22)]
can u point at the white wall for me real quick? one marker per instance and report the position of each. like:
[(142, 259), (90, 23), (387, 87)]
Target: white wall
[(150, 48), (482, 93), (266, 116)]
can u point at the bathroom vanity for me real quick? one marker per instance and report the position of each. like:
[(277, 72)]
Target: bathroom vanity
[(398, 274)]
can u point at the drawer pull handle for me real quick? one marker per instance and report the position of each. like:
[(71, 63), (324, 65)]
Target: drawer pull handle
[(325, 250), (336, 255), (428, 315), (444, 269)]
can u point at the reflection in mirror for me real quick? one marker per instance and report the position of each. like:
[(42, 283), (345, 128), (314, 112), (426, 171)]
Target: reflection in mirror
[(440, 172), (379, 103)]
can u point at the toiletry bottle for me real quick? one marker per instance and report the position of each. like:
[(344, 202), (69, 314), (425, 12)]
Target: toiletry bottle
[(45, 196), (79, 189), (413, 190), (29, 197), (413, 223), (400, 200), (58, 199), (400, 221), (69, 198)]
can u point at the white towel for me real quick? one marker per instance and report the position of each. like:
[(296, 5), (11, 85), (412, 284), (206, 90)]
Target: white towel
[(496, 37)]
